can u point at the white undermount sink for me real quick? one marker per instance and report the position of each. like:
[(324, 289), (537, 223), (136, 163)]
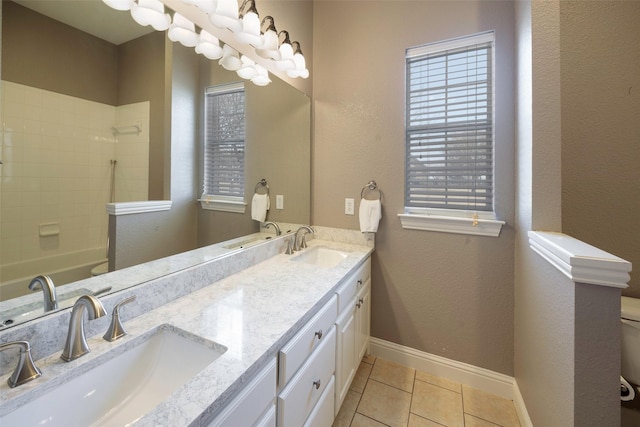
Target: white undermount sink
[(321, 256), (124, 388)]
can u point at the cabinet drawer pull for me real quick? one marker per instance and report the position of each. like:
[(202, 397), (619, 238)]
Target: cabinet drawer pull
[(359, 281), (319, 334), (360, 300), (316, 384)]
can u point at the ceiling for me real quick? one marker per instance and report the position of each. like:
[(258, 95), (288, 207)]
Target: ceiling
[(90, 16)]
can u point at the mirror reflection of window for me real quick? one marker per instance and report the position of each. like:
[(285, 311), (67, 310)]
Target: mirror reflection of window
[(224, 147)]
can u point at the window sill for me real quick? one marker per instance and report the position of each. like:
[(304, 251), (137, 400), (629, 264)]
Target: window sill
[(452, 224), (234, 206)]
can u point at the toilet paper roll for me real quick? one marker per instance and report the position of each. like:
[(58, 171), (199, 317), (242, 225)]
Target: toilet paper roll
[(627, 391)]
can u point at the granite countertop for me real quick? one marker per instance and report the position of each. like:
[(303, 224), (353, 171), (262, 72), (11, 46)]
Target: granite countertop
[(253, 313)]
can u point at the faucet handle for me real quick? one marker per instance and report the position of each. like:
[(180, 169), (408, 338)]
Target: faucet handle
[(26, 370), (116, 329), (289, 250)]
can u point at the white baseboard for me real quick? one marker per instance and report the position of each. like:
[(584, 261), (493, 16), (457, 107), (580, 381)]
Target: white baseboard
[(473, 376)]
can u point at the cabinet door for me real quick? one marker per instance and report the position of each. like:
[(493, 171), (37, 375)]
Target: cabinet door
[(323, 415), (346, 365), (363, 321)]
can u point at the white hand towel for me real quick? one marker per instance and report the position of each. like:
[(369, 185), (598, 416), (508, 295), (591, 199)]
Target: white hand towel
[(259, 207), (370, 215)]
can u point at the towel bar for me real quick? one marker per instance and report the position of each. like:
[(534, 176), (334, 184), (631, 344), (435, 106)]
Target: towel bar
[(371, 186), (260, 184)]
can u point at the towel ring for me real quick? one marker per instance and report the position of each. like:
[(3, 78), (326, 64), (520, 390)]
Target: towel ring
[(371, 186), (262, 183)]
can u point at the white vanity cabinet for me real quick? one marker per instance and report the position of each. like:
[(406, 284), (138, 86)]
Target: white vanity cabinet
[(255, 405), (353, 328), (306, 368)]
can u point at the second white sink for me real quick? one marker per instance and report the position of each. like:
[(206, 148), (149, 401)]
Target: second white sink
[(321, 256), (124, 388)]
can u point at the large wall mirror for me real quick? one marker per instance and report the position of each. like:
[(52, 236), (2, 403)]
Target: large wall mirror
[(90, 120)]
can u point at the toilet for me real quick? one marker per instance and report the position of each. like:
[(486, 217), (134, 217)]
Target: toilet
[(630, 317)]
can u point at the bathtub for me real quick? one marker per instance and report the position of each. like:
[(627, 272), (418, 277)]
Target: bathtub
[(63, 269)]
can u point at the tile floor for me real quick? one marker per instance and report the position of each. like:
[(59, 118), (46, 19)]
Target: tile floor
[(387, 394)]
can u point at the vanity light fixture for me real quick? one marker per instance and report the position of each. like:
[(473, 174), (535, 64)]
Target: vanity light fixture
[(285, 62), (250, 31), (230, 59), (269, 47), (119, 4), (183, 31), (226, 15), (209, 46), (151, 12), (300, 68)]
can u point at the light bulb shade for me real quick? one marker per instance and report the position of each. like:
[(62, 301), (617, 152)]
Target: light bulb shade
[(183, 31), (269, 48), (250, 31), (248, 69), (208, 6), (119, 4), (230, 59), (262, 76), (300, 68), (226, 15), (209, 46), (151, 12), (286, 57)]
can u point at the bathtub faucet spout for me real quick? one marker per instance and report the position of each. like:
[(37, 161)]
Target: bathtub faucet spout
[(48, 290)]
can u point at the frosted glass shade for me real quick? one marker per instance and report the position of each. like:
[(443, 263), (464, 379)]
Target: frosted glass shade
[(262, 76), (209, 46), (230, 59), (248, 69), (226, 15), (250, 31), (183, 31), (300, 67), (119, 4), (151, 12), (208, 6), (269, 47)]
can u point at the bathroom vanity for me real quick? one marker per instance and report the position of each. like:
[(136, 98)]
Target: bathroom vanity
[(275, 343)]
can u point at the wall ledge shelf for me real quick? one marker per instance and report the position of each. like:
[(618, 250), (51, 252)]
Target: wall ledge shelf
[(128, 208), (579, 261)]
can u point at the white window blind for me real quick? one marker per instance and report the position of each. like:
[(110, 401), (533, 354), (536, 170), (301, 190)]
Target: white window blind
[(224, 143), (449, 125)]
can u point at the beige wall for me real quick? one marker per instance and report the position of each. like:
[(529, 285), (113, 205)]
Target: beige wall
[(601, 126), (278, 149), (141, 77), (49, 55), (567, 336), (446, 294)]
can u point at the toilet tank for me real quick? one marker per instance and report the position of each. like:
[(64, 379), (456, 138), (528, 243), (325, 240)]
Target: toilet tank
[(630, 316)]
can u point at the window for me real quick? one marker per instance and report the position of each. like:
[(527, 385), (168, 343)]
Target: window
[(224, 146), (449, 136)]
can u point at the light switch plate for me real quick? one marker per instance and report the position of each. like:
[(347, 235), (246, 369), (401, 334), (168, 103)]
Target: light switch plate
[(279, 201), (348, 206)]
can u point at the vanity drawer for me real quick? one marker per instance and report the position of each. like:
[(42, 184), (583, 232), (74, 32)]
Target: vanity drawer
[(354, 282), (252, 405), (322, 415), (298, 349), (299, 397)]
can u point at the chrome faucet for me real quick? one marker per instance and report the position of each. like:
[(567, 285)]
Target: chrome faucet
[(48, 290), (76, 344), (26, 370), (301, 243), (275, 226)]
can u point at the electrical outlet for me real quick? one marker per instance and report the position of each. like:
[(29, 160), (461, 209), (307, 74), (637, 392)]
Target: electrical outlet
[(279, 201), (348, 206)]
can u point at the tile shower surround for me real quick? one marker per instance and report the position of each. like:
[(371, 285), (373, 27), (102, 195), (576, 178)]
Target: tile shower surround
[(56, 151)]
